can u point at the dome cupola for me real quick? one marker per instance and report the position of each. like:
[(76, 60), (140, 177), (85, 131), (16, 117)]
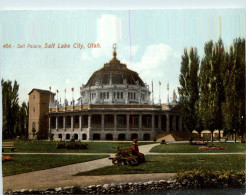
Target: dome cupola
[(114, 72)]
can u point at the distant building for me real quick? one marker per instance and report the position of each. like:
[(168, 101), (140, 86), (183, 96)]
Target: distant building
[(38, 113)]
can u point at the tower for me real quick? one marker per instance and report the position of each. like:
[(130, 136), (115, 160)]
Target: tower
[(39, 101)]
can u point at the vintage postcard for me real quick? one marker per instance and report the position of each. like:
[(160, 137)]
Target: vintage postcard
[(123, 101)]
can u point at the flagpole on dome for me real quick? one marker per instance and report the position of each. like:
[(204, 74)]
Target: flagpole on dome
[(114, 52)]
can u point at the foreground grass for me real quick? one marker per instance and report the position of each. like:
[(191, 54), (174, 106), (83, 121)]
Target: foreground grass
[(28, 163), (50, 147), (187, 148), (177, 163)]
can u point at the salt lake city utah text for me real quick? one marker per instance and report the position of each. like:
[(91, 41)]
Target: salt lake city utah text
[(52, 45)]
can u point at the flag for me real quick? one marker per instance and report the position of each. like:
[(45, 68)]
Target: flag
[(168, 86), (152, 85), (72, 89)]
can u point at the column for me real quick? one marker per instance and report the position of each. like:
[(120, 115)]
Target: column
[(174, 122), (112, 96), (102, 123), (126, 96), (180, 123), (72, 123), (64, 123), (89, 94), (115, 122), (56, 123), (159, 122), (80, 123), (127, 122), (167, 123), (89, 121), (153, 122), (140, 122), (139, 96), (89, 127)]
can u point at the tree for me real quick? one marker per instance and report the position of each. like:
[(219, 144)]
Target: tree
[(234, 83), (220, 86), (189, 87), (23, 121), (212, 91), (10, 108)]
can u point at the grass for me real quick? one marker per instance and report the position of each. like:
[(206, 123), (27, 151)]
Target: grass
[(177, 163), (28, 163), (187, 148), (50, 147)]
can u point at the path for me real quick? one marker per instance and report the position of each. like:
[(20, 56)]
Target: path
[(63, 176), (78, 154), (211, 153)]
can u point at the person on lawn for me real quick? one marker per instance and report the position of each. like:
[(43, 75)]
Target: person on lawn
[(136, 151)]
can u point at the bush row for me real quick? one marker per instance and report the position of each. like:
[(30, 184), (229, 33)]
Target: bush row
[(72, 145), (212, 179)]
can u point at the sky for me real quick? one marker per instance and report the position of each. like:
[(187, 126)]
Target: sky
[(150, 42)]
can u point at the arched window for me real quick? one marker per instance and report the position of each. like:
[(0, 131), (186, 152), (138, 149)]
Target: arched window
[(75, 136), (84, 137), (121, 136), (96, 136), (146, 137), (67, 136), (134, 136), (60, 136), (109, 136)]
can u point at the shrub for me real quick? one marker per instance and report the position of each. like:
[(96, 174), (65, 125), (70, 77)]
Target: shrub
[(71, 145), (51, 136), (212, 179), (61, 145)]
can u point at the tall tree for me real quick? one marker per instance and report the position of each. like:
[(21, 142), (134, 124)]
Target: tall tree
[(10, 108), (23, 121), (234, 83), (212, 91), (188, 91)]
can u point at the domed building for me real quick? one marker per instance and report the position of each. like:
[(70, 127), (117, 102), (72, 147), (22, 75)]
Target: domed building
[(114, 104)]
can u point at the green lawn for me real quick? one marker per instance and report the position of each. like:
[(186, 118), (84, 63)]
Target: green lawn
[(28, 163), (187, 148), (177, 163), (48, 146)]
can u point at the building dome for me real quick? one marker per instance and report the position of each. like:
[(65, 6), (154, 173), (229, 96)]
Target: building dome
[(116, 73)]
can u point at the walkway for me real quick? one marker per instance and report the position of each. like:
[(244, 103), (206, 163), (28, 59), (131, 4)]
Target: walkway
[(63, 176)]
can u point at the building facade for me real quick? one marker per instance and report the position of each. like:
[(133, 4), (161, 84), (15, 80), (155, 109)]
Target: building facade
[(38, 109), (114, 104)]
